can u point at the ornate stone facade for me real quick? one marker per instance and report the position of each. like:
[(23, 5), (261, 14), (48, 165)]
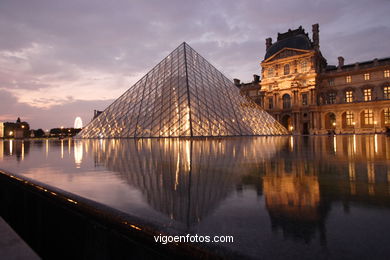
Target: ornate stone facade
[(310, 97)]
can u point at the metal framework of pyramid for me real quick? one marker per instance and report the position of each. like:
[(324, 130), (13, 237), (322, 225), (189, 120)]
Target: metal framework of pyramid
[(183, 96)]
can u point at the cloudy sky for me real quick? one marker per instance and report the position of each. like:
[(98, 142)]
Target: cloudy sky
[(62, 59)]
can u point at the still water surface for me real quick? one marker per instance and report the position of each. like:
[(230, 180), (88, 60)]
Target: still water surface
[(280, 197)]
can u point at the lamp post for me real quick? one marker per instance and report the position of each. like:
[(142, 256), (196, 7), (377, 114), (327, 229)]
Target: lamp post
[(353, 123), (375, 122)]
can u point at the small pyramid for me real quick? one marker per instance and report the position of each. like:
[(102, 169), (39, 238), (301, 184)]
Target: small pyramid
[(182, 96)]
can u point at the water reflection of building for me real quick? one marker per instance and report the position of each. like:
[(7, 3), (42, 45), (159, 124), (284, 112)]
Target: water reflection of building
[(300, 178), (292, 197), (17, 148), (184, 179), (302, 182)]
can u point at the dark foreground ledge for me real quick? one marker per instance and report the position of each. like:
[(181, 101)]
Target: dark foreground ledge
[(61, 225)]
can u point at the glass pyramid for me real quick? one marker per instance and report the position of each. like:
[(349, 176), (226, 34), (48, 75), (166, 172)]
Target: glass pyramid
[(182, 96)]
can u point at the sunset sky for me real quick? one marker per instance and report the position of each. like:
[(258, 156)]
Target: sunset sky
[(62, 59)]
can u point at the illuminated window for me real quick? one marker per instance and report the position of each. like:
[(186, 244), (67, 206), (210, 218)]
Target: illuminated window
[(366, 76), (348, 96), (367, 94), (270, 103), (368, 117), (348, 79), (270, 72), (286, 101), (304, 66), (349, 118), (386, 92), (386, 73), (304, 99), (332, 98), (386, 113), (331, 82), (286, 69)]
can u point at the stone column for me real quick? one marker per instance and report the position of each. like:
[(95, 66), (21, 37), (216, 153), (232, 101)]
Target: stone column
[(338, 122)]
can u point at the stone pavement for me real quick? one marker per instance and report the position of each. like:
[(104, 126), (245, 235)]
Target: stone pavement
[(12, 246)]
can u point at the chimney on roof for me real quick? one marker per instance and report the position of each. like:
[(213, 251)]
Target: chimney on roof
[(316, 36), (268, 43), (237, 82), (341, 62), (256, 78)]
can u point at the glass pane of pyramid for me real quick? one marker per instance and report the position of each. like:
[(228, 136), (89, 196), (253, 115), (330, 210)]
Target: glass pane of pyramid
[(182, 96)]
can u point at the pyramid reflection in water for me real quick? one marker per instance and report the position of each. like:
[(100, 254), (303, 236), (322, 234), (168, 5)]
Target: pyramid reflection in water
[(185, 180), (183, 96)]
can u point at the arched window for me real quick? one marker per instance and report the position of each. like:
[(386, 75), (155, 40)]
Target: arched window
[(286, 101), (286, 69), (367, 117), (330, 121), (348, 119)]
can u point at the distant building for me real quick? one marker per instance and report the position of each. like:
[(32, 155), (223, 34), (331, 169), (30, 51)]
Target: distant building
[(18, 129), (308, 96), (96, 113), (1, 129)]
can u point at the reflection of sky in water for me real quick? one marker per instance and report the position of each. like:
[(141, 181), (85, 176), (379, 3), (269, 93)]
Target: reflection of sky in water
[(306, 197)]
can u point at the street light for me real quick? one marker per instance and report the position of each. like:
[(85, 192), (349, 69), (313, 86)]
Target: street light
[(375, 122), (353, 123)]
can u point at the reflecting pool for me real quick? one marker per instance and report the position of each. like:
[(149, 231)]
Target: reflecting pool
[(279, 197)]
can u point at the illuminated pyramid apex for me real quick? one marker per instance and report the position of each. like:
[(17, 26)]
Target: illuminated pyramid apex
[(182, 96)]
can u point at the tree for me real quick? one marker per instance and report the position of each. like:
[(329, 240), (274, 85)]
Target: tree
[(39, 133)]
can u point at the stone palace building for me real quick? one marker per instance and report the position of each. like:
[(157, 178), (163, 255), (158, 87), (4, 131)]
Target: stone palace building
[(308, 96)]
